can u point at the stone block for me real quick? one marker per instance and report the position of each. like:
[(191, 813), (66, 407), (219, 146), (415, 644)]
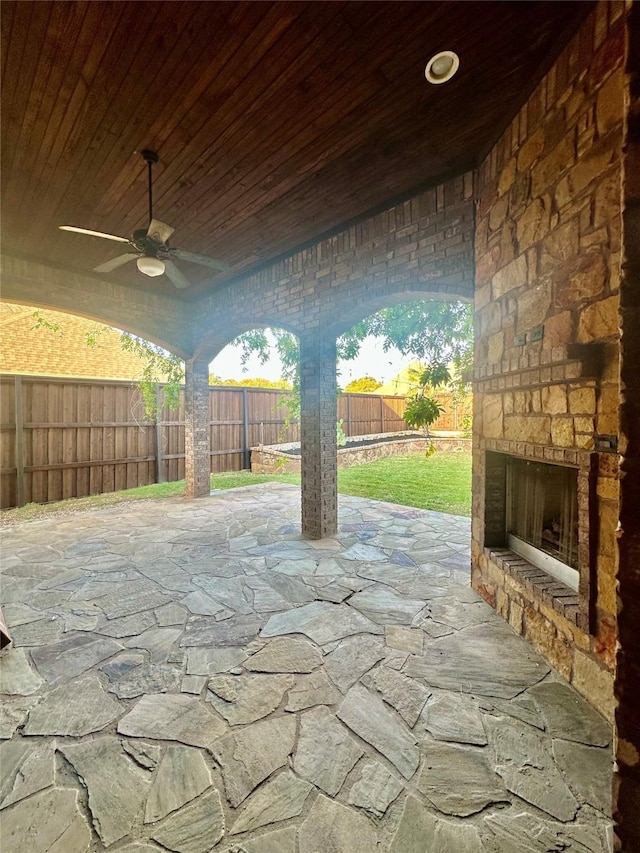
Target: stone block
[(606, 200), (497, 214), (509, 277), (483, 295), (520, 193), (584, 442), (492, 417), (489, 320), (579, 279), (562, 432), (502, 603), (507, 403), (521, 402), (610, 103), (534, 222), (496, 347), (608, 417), (588, 169), (530, 150), (554, 399), (508, 242), (542, 634), (534, 429), (582, 401), (488, 263), (561, 245), (545, 174), (558, 330), (507, 177), (594, 682), (608, 488), (482, 231), (516, 614), (533, 305), (599, 321), (584, 424)]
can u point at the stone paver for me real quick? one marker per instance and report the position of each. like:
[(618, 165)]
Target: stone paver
[(198, 676)]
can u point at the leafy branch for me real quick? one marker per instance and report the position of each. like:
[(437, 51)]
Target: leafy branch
[(158, 366)]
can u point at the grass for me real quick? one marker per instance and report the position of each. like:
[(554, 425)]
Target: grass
[(442, 483)]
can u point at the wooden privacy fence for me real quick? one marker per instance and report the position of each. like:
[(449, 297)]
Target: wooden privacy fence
[(64, 438)]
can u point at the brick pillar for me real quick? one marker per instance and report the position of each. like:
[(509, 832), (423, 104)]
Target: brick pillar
[(196, 433), (318, 413), (626, 786)]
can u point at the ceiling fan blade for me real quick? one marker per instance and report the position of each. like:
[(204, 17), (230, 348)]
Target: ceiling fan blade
[(159, 231), (93, 233), (175, 275), (114, 263), (195, 258)]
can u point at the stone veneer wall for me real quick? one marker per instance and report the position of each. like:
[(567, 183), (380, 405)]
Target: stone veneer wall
[(548, 255)]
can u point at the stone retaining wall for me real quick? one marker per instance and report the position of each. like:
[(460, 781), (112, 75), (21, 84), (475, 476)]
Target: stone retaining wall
[(276, 460)]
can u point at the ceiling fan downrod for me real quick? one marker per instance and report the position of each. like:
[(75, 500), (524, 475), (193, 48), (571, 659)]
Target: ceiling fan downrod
[(150, 157)]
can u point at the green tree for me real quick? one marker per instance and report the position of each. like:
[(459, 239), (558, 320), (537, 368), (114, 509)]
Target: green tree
[(249, 382), (158, 366), (430, 331), (422, 409), (434, 332), (363, 385)]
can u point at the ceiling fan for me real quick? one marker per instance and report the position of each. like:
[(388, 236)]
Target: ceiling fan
[(150, 248)]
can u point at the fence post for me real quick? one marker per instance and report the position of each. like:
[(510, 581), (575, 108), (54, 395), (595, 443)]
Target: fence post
[(349, 430), (245, 429), (19, 442), (159, 468), (381, 414)]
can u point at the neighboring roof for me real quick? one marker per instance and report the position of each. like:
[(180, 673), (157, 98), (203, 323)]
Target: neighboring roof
[(28, 350)]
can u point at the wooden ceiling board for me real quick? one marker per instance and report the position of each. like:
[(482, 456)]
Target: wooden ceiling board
[(237, 130), (275, 122), (130, 187)]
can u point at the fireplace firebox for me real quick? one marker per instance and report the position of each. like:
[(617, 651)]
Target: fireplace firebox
[(541, 517), (537, 528)]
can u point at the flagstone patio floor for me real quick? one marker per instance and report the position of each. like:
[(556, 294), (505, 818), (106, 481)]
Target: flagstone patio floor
[(194, 676)]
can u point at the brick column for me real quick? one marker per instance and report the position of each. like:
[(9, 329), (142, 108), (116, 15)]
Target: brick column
[(196, 435), (318, 413)]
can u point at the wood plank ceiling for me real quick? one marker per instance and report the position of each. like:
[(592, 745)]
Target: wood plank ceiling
[(274, 122)]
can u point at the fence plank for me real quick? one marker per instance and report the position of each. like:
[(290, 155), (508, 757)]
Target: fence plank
[(63, 438), (19, 442)]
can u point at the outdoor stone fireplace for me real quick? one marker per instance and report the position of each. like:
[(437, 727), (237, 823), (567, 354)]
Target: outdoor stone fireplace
[(546, 375), (537, 524)]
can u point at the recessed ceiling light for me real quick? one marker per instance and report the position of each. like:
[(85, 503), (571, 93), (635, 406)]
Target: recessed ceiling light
[(442, 67)]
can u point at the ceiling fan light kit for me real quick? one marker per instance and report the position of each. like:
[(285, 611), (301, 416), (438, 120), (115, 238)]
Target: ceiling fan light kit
[(149, 247), (150, 266)]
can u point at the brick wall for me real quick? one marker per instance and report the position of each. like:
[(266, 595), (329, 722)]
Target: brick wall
[(43, 352), (417, 249), (547, 279)]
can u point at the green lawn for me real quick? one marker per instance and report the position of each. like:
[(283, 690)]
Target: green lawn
[(441, 482)]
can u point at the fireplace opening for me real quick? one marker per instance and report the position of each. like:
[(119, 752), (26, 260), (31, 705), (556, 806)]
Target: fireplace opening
[(541, 518)]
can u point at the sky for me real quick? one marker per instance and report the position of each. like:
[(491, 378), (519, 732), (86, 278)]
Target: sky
[(372, 361)]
